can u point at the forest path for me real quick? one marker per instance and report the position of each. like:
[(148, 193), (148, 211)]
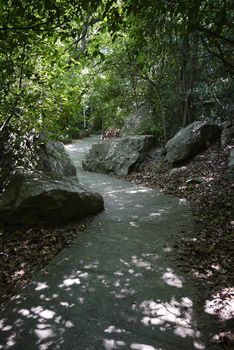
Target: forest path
[(117, 286)]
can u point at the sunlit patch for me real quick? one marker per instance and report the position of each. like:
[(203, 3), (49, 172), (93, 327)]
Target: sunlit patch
[(19, 322), (127, 291), (45, 346), (42, 326), (117, 284), (64, 303), (124, 262), (105, 283), (216, 266), (141, 263), (90, 266), (118, 273), (172, 279), (133, 224), (171, 315), (84, 274), (69, 324), (44, 333), (36, 310), (186, 302), (167, 249), (113, 329), (150, 255), (184, 331), (11, 340), (140, 190), (154, 215), (147, 321), (111, 344), (41, 286), (24, 312), (224, 337), (222, 304), (182, 201), (6, 328), (136, 346), (199, 345), (58, 319), (69, 282), (47, 314)]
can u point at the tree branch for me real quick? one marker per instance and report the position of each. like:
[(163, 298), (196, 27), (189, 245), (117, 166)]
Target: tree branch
[(215, 35)]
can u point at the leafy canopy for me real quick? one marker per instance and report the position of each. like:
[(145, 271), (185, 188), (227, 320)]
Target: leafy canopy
[(66, 62)]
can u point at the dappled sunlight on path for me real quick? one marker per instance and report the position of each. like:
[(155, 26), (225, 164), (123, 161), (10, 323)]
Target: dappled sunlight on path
[(117, 287)]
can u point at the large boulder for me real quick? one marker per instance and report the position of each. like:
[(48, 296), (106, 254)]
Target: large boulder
[(141, 122), (95, 159), (53, 159), (40, 186), (190, 140), (38, 198), (120, 156)]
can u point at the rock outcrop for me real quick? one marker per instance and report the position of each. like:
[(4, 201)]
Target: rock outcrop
[(95, 159), (120, 156), (190, 140), (141, 122), (54, 160), (36, 198), (48, 192)]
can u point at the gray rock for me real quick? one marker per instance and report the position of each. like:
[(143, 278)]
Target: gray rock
[(38, 198), (54, 160), (156, 154), (178, 171), (120, 156), (45, 191), (95, 159), (227, 135), (141, 122), (196, 180), (190, 140)]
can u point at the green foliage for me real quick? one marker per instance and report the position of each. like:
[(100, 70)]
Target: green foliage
[(151, 129), (66, 63), (37, 47)]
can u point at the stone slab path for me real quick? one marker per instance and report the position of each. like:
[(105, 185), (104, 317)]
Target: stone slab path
[(117, 287)]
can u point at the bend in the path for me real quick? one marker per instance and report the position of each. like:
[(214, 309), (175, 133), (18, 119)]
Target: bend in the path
[(117, 287)]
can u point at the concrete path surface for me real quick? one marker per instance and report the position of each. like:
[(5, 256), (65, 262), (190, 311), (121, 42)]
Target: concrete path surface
[(117, 287)]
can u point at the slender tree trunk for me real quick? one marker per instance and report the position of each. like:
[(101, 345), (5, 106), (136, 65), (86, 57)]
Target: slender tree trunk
[(189, 75), (163, 119), (134, 87)]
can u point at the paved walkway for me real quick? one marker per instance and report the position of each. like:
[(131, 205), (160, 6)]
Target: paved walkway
[(117, 286)]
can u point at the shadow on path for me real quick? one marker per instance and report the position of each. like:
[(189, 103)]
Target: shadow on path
[(117, 286)]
